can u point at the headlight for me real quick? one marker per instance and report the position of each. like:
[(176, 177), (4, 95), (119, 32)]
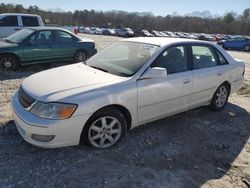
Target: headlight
[(53, 110)]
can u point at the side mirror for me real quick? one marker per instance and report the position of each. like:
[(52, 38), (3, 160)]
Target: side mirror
[(155, 72)]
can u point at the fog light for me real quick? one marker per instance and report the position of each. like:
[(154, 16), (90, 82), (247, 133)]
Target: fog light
[(42, 138)]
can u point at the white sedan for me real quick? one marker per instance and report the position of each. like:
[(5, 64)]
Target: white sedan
[(129, 83)]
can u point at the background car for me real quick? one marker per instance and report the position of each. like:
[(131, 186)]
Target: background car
[(110, 32), (43, 45), (124, 32), (142, 33), (13, 22), (238, 43)]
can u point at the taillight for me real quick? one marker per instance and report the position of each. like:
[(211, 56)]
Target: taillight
[(243, 72)]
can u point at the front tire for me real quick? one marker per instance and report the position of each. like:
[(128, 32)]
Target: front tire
[(220, 98), (105, 128), (8, 62), (80, 56)]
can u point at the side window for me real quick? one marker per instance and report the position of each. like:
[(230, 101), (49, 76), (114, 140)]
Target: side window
[(41, 38), (174, 59), (222, 59), (9, 21), (62, 37), (203, 57), (30, 21)]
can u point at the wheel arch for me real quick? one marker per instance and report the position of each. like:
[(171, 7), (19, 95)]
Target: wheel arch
[(13, 54), (121, 108), (227, 84)]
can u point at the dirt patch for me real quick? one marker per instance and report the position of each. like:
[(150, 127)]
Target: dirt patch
[(198, 148)]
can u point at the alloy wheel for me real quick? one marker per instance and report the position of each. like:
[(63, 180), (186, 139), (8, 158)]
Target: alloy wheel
[(8, 63), (221, 96), (104, 132), (247, 48), (80, 57)]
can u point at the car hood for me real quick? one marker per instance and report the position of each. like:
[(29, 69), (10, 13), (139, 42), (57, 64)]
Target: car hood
[(87, 40), (60, 83), (6, 44)]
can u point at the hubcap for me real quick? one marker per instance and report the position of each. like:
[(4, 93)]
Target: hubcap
[(8, 63), (104, 132), (221, 96), (247, 48), (80, 57)]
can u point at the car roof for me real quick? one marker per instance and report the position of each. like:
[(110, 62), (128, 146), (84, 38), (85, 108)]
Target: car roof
[(46, 28), (17, 14), (163, 41)]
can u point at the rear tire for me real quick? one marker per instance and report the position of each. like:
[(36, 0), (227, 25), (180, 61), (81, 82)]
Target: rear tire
[(220, 98), (8, 62), (247, 48), (105, 128)]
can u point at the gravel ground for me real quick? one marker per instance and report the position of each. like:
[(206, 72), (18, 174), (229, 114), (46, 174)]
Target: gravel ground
[(198, 148)]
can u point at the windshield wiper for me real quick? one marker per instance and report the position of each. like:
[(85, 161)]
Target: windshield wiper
[(99, 68)]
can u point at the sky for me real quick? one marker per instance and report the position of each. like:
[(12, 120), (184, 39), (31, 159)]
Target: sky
[(157, 7)]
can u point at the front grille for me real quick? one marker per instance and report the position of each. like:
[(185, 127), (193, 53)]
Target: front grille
[(24, 99)]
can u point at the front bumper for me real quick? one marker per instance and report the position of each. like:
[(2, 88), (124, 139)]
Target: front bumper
[(92, 52), (67, 132)]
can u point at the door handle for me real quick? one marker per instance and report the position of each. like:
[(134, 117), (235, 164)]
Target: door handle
[(186, 81), (16, 29)]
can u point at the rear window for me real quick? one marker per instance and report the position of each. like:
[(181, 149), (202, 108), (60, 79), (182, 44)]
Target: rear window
[(9, 21), (30, 21)]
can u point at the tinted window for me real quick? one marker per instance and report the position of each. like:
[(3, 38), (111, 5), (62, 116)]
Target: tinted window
[(9, 21), (203, 57), (30, 21), (41, 38), (62, 37), (174, 59)]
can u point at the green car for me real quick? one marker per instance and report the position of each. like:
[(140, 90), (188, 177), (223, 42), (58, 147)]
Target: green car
[(43, 45)]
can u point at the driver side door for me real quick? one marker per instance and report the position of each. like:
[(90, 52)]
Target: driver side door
[(160, 97)]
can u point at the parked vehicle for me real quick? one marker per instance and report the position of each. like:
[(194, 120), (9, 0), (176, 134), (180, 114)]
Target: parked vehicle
[(112, 93), (156, 33), (143, 33), (13, 22), (206, 37), (96, 31), (124, 32), (109, 32), (84, 30), (238, 43), (43, 45), (171, 34)]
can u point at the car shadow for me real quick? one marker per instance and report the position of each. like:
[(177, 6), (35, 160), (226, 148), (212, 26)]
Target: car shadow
[(184, 150)]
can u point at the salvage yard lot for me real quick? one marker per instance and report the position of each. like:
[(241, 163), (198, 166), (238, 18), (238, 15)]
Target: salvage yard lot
[(192, 149)]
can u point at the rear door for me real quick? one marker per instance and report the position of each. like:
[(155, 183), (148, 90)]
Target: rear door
[(64, 45), (8, 25), (209, 72), (29, 21)]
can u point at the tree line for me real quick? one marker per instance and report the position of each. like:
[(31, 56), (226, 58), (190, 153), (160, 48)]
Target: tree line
[(230, 23)]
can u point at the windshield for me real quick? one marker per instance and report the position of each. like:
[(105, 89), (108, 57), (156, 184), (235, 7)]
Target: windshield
[(20, 35), (123, 58)]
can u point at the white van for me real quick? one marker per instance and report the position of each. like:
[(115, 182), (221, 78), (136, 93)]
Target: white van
[(13, 22)]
